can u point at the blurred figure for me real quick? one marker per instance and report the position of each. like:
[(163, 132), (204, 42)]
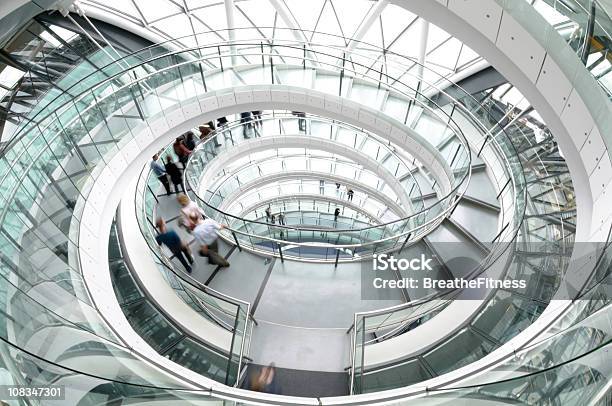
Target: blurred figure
[(221, 121), (301, 120), (161, 173), (206, 233), (281, 219), (176, 175), (171, 239), (265, 380), (273, 219), (205, 130), (350, 194), (188, 208), (336, 214), (246, 119), (181, 151), (190, 142), (221, 126), (258, 123), (268, 214)]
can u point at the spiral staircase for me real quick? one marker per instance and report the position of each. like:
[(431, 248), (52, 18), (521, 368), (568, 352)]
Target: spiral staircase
[(484, 184)]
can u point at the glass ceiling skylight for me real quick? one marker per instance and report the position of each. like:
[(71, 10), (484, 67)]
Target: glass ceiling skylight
[(384, 25)]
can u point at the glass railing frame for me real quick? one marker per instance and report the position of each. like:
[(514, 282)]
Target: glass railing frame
[(147, 227)]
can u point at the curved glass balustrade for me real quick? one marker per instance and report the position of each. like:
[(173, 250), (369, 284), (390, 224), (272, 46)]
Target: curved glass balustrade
[(587, 27), (389, 235), (249, 172), (38, 163), (546, 242), (312, 213), (570, 366), (168, 338), (487, 330), (215, 187), (310, 195), (322, 164)]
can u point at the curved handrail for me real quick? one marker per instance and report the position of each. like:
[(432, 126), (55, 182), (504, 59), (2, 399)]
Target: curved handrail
[(200, 149), (119, 74), (143, 180), (161, 46)]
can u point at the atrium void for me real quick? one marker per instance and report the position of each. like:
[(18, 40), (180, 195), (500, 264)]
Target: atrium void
[(289, 202)]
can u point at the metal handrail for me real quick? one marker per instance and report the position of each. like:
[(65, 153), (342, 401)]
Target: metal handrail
[(237, 124)]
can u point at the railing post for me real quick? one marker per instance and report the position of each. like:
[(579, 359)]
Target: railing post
[(237, 242), (220, 58), (263, 59), (337, 257), (450, 116), (153, 193), (203, 78), (280, 251), (483, 144), (455, 156), (405, 242), (342, 73)]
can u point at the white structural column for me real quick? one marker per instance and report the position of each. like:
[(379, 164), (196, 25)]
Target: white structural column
[(229, 13), (422, 50)]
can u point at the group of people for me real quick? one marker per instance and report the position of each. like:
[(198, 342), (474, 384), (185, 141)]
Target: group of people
[(250, 120), (349, 193), (170, 173), (271, 218), (204, 230)]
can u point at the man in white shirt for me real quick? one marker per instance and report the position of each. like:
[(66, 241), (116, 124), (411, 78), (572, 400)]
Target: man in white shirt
[(206, 235)]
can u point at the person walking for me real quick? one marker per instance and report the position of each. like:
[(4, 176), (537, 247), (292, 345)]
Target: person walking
[(350, 194), (268, 214), (222, 125), (190, 142), (221, 121), (301, 120), (188, 208), (281, 219), (181, 151), (336, 214), (206, 233), (171, 239), (176, 175), (265, 380), (160, 172), (204, 131), (246, 119), (258, 123)]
